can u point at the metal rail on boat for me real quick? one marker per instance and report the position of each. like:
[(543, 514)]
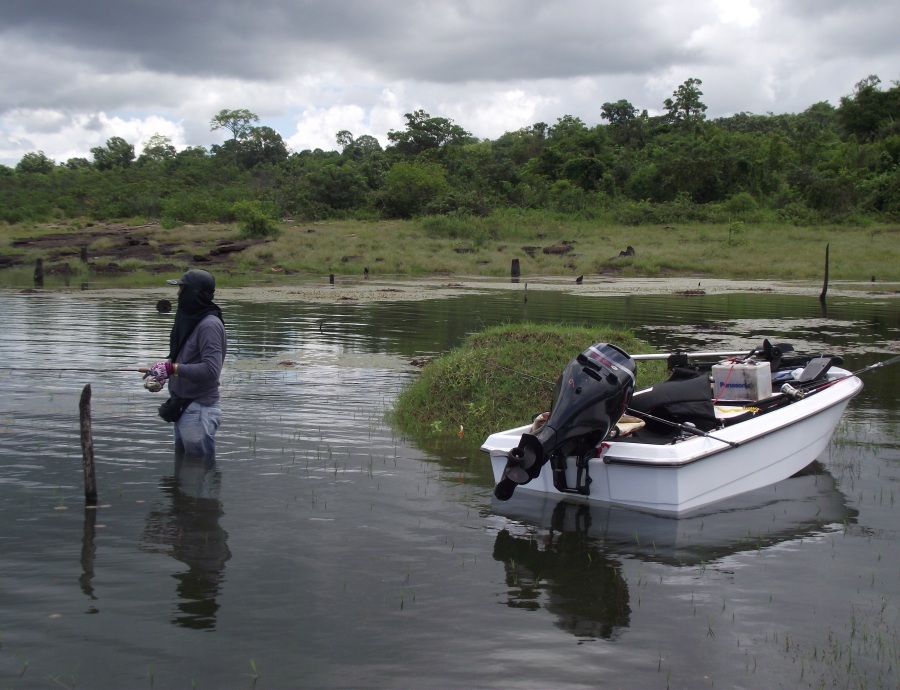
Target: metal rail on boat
[(696, 355)]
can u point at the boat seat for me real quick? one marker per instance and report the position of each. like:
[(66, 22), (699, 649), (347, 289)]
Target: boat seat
[(678, 400)]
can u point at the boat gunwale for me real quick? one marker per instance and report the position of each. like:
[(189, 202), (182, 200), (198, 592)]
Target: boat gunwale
[(725, 444)]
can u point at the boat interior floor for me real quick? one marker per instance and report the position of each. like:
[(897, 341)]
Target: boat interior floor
[(657, 414), (726, 413)]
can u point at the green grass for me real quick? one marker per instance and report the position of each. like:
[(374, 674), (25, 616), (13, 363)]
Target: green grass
[(487, 246), (502, 377)]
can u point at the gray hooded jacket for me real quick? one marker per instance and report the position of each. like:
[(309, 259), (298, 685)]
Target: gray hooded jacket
[(200, 363)]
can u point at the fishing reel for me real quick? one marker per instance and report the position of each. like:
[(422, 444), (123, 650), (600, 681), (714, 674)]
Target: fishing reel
[(153, 384)]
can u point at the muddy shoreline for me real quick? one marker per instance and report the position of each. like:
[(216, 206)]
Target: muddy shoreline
[(401, 290)]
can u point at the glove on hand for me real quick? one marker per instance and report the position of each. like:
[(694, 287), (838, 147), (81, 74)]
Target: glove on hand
[(156, 376)]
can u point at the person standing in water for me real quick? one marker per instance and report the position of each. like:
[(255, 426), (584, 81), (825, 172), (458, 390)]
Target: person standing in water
[(197, 348)]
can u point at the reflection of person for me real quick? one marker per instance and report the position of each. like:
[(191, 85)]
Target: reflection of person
[(189, 531), (197, 347)]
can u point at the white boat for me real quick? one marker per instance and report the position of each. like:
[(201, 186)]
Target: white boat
[(664, 461)]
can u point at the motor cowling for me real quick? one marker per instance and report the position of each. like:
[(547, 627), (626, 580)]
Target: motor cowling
[(589, 398)]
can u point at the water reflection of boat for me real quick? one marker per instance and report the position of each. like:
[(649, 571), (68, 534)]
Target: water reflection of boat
[(806, 504), (566, 573)]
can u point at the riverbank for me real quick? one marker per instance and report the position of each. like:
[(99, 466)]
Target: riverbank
[(403, 290), (537, 248)]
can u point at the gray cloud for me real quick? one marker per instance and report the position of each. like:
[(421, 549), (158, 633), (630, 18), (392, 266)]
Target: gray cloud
[(494, 65), (429, 41)]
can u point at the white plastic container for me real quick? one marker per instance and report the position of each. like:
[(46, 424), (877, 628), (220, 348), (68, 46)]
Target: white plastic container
[(749, 381)]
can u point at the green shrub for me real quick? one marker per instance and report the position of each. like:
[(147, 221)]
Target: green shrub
[(410, 187), (737, 234), (194, 208), (257, 218), (452, 227), (797, 213), (741, 203)]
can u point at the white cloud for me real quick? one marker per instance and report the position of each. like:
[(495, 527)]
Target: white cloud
[(741, 12), (316, 127), (504, 111)]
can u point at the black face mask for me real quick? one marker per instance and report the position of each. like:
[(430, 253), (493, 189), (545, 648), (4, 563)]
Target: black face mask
[(193, 306)]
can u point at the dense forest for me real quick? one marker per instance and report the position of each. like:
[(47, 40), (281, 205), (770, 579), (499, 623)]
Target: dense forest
[(827, 164)]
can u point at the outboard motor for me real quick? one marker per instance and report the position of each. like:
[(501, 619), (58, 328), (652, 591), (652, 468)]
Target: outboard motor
[(589, 398)]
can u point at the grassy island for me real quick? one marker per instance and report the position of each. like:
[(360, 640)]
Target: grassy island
[(502, 377)]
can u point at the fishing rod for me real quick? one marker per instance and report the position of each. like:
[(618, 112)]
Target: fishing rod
[(787, 391), (791, 392), (687, 428), (62, 369), (811, 387), (522, 373)]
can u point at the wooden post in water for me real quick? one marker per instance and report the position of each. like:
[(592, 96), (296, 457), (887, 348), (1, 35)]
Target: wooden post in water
[(87, 447), (825, 284)]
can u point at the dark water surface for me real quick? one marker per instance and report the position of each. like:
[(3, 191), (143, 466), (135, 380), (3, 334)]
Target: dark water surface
[(325, 550)]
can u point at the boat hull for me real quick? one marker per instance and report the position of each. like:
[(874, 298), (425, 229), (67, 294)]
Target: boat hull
[(685, 476)]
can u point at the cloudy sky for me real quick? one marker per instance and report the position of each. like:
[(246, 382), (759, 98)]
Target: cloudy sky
[(75, 73)]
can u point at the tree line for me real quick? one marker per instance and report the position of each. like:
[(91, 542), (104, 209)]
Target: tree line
[(827, 164)]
